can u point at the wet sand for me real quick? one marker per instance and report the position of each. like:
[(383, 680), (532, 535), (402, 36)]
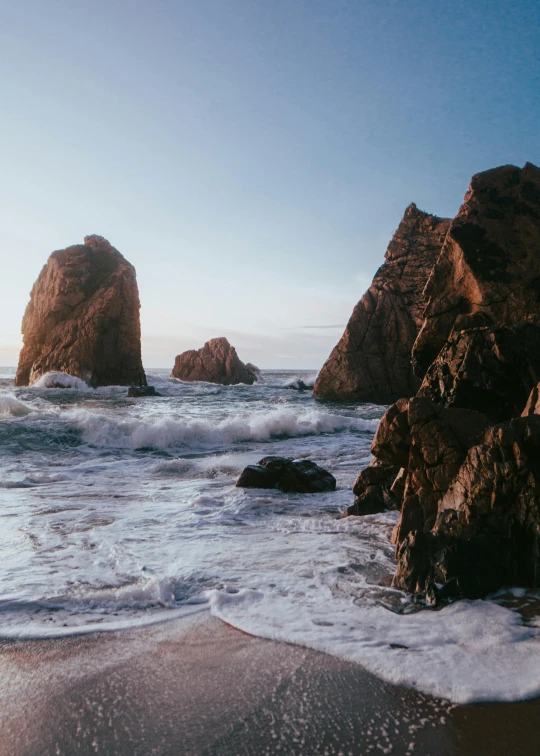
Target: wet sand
[(200, 687)]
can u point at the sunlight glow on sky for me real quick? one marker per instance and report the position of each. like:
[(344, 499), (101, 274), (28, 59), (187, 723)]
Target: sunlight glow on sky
[(251, 159)]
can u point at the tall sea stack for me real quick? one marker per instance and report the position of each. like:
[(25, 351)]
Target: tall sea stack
[(372, 361), (83, 318)]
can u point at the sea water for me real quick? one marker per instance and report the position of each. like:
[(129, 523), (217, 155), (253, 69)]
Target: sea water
[(117, 512)]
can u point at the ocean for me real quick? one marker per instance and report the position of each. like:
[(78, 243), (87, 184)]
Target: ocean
[(119, 512)]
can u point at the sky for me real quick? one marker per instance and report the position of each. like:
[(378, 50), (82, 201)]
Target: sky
[(251, 158)]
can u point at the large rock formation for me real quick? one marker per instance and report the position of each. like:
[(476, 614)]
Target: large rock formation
[(488, 272), (372, 361), (83, 318), (470, 516), (215, 362)]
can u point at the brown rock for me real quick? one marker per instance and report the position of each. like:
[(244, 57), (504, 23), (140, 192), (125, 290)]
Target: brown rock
[(487, 530), (392, 441), (533, 402), (440, 439), (215, 362), (83, 318), (492, 370), (488, 272), (373, 489), (372, 361)]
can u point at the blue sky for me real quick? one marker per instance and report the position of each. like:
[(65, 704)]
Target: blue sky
[(251, 158)]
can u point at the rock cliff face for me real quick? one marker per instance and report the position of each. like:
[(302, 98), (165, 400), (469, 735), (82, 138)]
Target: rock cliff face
[(372, 361), (215, 362), (487, 531), (488, 273), (468, 443), (83, 318)]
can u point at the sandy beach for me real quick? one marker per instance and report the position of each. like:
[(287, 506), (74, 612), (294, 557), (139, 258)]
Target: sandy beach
[(198, 686)]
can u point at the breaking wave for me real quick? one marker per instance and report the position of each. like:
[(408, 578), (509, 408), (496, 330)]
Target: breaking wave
[(10, 406), (57, 379), (167, 433)]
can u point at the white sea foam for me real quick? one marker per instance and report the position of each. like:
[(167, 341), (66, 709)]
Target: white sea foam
[(10, 406), (105, 534), (169, 434), (468, 651), (58, 379)]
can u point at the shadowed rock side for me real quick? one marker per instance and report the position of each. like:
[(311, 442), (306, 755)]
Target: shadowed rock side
[(83, 318), (374, 490), (215, 362), (487, 531), (372, 361), (488, 273), (492, 370)]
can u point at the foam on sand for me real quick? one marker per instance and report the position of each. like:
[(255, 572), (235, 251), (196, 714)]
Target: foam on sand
[(468, 651)]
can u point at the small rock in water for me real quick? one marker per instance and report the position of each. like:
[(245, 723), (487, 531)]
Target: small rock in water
[(290, 477), (216, 362), (255, 370), (140, 391)]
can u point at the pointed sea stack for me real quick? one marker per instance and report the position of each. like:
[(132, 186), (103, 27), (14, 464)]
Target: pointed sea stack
[(372, 361), (83, 318), (215, 362)]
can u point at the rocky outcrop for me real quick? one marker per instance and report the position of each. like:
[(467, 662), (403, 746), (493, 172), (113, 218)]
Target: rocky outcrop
[(439, 441), (83, 318), (372, 361), (487, 531), (215, 362), (288, 476), (139, 392), (469, 442), (488, 272), (374, 490)]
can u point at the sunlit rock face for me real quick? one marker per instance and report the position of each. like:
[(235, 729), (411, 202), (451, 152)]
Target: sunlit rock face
[(83, 318), (488, 273), (372, 361), (216, 362)]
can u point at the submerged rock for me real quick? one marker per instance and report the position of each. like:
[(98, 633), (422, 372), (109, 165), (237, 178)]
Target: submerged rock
[(215, 362), (142, 391), (372, 361), (298, 385), (289, 476), (83, 318)]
